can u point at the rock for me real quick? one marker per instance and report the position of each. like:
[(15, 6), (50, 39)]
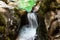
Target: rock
[(5, 25), (4, 5), (58, 1)]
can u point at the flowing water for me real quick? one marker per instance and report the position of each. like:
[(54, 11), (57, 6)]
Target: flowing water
[(28, 32)]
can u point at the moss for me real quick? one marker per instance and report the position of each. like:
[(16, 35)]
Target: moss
[(2, 29), (7, 38), (2, 19), (26, 4)]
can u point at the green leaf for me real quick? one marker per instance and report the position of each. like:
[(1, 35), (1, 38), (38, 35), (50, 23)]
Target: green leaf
[(26, 4)]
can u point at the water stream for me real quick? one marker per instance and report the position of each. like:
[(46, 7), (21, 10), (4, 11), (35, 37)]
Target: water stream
[(28, 32)]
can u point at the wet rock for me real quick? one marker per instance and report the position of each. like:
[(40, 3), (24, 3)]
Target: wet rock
[(6, 28)]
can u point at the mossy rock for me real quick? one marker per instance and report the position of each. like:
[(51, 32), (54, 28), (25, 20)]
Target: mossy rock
[(2, 29), (2, 23), (2, 19)]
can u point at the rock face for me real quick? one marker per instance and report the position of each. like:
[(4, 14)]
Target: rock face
[(48, 11), (52, 24), (9, 24), (41, 30)]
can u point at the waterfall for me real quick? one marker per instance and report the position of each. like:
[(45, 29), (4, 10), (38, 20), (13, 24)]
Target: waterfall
[(32, 18), (28, 32)]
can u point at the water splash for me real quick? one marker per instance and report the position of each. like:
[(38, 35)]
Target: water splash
[(28, 32)]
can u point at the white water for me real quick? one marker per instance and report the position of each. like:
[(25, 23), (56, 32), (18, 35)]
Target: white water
[(28, 32)]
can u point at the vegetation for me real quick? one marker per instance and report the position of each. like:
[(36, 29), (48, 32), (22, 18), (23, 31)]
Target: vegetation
[(10, 32)]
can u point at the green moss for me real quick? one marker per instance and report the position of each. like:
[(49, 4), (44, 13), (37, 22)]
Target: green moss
[(26, 4), (2, 29), (7, 38), (2, 19)]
